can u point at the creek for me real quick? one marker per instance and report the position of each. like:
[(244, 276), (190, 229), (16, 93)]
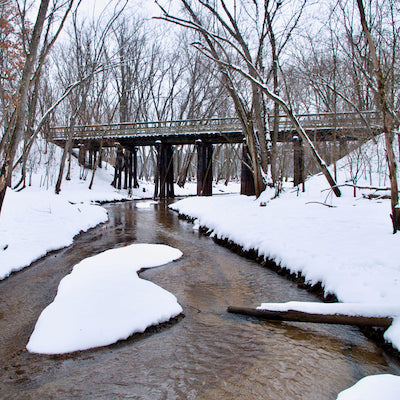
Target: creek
[(207, 354)]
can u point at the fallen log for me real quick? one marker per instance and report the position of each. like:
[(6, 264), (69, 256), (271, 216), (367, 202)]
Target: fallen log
[(300, 316)]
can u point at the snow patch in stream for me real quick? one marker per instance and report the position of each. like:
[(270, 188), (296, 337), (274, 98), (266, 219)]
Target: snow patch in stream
[(103, 300), (374, 387)]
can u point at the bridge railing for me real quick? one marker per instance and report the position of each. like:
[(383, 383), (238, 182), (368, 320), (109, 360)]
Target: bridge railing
[(318, 121), (329, 121), (128, 129)]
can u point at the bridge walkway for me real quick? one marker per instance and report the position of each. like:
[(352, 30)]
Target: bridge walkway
[(347, 126)]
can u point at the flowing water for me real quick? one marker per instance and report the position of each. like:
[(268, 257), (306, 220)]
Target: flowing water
[(208, 354)]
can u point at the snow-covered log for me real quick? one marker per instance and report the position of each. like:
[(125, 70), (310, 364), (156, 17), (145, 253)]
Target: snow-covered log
[(300, 316)]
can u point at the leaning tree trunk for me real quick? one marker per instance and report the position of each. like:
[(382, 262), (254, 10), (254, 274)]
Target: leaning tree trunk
[(96, 164), (387, 121), (22, 102), (67, 146), (300, 130), (389, 136)]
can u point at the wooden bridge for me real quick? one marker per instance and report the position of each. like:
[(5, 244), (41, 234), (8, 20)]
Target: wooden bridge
[(204, 133)]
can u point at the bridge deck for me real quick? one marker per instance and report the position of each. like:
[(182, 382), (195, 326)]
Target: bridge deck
[(217, 130)]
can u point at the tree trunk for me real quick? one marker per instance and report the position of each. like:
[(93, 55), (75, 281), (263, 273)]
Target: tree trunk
[(22, 102), (96, 164), (245, 117), (67, 146), (185, 167), (299, 316), (387, 120)]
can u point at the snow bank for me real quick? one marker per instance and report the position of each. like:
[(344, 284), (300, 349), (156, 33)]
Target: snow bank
[(34, 222), (374, 387), (103, 300), (348, 247)]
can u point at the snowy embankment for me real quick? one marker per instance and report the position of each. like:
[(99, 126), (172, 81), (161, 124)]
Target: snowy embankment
[(33, 223), (344, 243), (36, 221), (347, 246), (103, 300)]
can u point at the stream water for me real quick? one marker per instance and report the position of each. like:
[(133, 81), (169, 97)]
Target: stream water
[(208, 354)]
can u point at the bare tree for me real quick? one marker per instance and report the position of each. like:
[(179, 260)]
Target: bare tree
[(277, 45), (234, 42), (249, 112), (387, 117), (88, 49), (48, 42), (16, 131)]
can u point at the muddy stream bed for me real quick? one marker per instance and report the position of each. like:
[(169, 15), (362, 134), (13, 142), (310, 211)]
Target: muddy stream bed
[(208, 354)]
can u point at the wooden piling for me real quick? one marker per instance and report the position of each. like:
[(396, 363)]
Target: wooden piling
[(204, 168), (134, 168), (165, 170), (118, 167), (298, 161), (247, 186)]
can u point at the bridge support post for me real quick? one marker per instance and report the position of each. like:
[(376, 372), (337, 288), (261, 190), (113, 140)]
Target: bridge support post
[(118, 168), (130, 172), (298, 161), (91, 159), (165, 179), (204, 168), (127, 170), (246, 177), (100, 158), (94, 161), (134, 165)]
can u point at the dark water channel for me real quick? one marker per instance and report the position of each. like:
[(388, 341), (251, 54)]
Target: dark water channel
[(209, 354)]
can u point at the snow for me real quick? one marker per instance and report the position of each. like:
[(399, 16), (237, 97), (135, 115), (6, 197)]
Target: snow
[(36, 221), (348, 247), (374, 387), (353, 309), (345, 243), (103, 300)]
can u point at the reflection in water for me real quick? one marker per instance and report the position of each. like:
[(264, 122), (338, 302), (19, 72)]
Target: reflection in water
[(209, 354)]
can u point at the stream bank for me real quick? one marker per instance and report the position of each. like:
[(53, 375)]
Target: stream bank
[(209, 354), (317, 289)]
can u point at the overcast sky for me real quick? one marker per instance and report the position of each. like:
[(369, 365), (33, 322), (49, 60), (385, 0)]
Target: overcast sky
[(94, 8)]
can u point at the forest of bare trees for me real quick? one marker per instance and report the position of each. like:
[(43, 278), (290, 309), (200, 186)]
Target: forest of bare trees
[(198, 59)]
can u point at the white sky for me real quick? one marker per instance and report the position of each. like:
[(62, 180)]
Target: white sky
[(94, 8)]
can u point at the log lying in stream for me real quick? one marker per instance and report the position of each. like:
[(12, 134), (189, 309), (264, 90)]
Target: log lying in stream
[(300, 316)]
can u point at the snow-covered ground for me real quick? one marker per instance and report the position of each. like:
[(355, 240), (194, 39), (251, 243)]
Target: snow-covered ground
[(346, 243), (103, 300), (36, 220)]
